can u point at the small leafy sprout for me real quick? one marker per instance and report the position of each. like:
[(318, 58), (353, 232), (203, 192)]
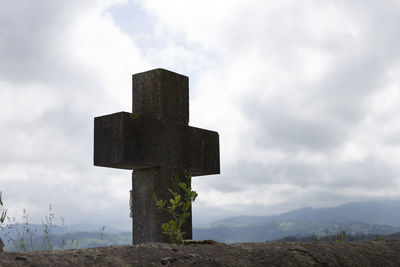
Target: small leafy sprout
[(3, 213), (341, 236), (179, 208)]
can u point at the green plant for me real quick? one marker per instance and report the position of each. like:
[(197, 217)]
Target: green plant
[(179, 207), (3, 213), (341, 236)]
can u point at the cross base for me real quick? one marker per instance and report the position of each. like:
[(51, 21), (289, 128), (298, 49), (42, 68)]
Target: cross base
[(147, 218)]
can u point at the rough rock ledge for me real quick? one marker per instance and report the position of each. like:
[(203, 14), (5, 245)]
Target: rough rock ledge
[(371, 253)]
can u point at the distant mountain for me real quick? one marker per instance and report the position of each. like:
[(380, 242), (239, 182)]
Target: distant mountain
[(382, 212), (372, 217), (368, 218), (278, 229)]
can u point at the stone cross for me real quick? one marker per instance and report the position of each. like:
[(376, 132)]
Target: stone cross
[(155, 142)]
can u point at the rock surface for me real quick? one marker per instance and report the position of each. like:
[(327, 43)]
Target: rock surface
[(372, 253)]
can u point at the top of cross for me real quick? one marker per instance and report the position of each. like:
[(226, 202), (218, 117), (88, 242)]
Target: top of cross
[(161, 94), (156, 133)]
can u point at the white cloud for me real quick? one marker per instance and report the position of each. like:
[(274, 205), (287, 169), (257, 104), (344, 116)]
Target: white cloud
[(63, 64)]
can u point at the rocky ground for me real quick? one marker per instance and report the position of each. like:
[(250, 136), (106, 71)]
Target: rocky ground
[(371, 253)]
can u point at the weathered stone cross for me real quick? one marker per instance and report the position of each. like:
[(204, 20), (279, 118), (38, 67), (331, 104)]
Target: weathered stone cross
[(156, 142)]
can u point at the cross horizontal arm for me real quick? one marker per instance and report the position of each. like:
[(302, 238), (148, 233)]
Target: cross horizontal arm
[(130, 141)]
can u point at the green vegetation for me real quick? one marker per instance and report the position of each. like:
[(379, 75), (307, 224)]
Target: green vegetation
[(23, 237), (179, 207), (3, 213), (341, 236), (27, 237)]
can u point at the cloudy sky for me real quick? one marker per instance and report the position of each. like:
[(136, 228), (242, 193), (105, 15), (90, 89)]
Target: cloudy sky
[(304, 94)]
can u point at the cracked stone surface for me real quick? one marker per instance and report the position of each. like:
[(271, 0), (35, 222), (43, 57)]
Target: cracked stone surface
[(371, 253)]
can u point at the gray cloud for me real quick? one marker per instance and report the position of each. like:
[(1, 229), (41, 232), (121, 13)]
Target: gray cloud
[(319, 117), (290, 86), (49, 98), (29, 32)]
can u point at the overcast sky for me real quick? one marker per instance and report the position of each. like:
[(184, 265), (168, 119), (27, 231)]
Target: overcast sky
[(304, 94)]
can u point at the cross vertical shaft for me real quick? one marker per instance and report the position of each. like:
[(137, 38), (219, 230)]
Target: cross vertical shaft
[(163, 95)]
